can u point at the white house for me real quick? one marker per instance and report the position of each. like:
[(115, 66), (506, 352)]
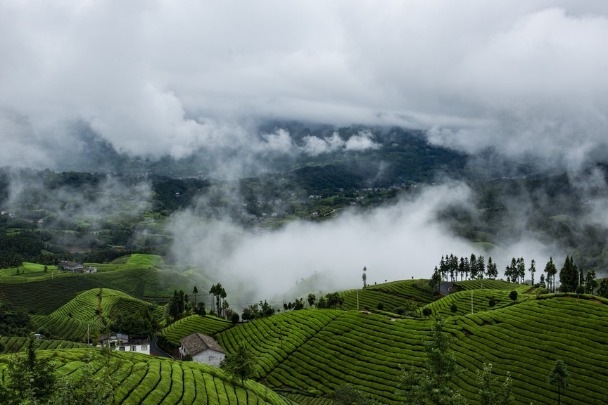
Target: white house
[(136, 347), (202, 348), (120, 342)]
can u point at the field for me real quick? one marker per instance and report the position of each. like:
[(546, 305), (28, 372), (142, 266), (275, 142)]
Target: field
[(136, 275), (15, 344), (208, 325), (141, 379), (472, 301), (79, 317), (313, 352), (391, 295)]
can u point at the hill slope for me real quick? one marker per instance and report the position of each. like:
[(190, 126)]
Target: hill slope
[(141, 379), (320, 350), (87, 312)]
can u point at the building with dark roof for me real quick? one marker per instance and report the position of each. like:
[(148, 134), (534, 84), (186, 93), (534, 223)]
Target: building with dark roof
[(202, 348)]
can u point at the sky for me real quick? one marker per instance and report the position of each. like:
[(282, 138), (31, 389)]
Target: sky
[(163, 77), (526, 78)]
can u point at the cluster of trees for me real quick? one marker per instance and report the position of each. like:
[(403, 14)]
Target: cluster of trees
[(331, 300), (571, 278), (142, 323), (451, 267), (179, 305), (255, 311), (14, 322), (219, 293)]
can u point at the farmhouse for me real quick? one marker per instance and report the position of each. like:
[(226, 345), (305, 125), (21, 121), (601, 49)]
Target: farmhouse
[(202, 348), (76, 267), (121, 342)]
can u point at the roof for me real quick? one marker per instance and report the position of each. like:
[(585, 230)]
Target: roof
[(197, 343)]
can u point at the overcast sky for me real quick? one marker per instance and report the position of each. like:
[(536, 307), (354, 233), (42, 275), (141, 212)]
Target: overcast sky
[(157, 77)]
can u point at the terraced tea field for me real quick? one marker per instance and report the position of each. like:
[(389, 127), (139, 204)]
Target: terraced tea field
[(391, 295), (208, 325), (479, 298), (316, 351), (135, 276), (79, 317), (15, 344), (144, 379)]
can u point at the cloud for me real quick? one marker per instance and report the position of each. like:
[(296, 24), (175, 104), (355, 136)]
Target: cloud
[(313, 145), (158, 78), (401, 241)]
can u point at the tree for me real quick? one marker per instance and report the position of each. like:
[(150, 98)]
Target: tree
[(492, 269), (435, 281), (427, 311), (239, 364), (532, 270), (311, 299), (364, 277), (559, 377), (590, 282), (603, 288), (218, 292), (234, 318), (195, 291), (28, 379), (569, 276), (431, 383), (513, 295), (551, 271), (491, 392), (454, 308), (481, 267)]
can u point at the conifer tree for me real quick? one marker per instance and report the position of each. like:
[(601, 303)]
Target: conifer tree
[(559, 377), (569, 276)]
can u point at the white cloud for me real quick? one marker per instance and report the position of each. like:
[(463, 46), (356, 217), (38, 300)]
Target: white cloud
[(162, 77)]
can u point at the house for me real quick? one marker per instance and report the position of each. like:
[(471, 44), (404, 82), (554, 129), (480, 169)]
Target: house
[(202, 348), (71, 266), (76, 267), (121, 342)]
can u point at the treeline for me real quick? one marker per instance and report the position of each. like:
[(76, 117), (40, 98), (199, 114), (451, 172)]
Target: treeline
[(571, 277)]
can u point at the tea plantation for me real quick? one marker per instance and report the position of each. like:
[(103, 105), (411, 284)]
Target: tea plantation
[(140, 379)]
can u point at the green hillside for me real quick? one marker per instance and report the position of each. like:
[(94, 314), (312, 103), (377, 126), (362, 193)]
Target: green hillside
[(468, 301), (208, 325), (13, 344), (81, 316), (488, 283), (141, 276), (141, 379), (316, 351), (391, 295)]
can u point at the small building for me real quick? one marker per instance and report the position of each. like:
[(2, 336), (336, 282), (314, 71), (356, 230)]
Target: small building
[(202, 348), (76, 267), (121, 342), (71, 266)]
